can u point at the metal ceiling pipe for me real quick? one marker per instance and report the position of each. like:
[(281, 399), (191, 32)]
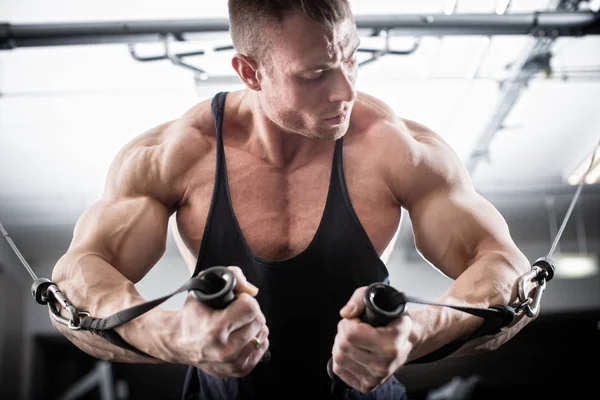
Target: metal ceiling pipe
[(538, 24)]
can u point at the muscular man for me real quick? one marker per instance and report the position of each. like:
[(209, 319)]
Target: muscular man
[(298, 183)]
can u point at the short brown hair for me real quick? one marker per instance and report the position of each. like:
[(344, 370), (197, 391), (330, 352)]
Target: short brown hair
[(247, 19)]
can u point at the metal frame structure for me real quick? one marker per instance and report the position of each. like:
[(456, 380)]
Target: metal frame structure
[(535, 57), (101, 376)]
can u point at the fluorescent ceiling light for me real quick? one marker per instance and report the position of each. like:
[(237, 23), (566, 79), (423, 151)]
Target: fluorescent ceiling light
[(575, 265), (592, 177)]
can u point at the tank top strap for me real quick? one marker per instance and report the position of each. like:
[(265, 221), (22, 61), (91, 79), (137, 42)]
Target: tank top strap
[(219, 194)]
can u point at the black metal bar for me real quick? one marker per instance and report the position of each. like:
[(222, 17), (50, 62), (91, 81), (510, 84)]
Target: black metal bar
[(163, 56), (551, 23), (223, 48), (538, 24)]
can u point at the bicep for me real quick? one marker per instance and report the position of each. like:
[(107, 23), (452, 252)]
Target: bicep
[(128, 233), (452, 226), (452, 223)]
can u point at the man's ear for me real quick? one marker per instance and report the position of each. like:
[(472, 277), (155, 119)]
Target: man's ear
[(247, 69)]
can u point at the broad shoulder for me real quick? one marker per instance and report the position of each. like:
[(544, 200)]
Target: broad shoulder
[(413, 158), (374, 118), (156, 162)]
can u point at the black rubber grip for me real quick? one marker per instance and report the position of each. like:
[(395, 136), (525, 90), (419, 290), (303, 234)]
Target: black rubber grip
[(383, 304), (217, 292)]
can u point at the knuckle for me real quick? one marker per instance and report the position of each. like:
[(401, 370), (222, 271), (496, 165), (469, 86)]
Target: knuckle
[(249, 303), (261, 318), (343, 344), (338, 358), (352, 335), (337, 369), (216, 335)]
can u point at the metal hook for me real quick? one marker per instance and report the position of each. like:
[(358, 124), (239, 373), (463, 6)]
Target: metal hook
[(378, 53), (137, 57), (202, 75)]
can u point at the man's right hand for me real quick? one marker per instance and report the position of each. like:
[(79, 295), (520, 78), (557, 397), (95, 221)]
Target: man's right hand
[(220, 341)]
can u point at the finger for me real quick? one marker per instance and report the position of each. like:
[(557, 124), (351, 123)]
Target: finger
[(343, 350), (250, 355), (360, 335), (255, 353), (377, 360), (361, 376), (358, 370), (242, 336), (355, 305), (346, 373), (242, 285), (363, 357), (242, 311)]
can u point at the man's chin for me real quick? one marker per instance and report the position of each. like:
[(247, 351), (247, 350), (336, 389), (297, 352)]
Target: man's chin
[(331, 132)]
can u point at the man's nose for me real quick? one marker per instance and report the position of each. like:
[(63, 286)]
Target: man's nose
[(343, 87)]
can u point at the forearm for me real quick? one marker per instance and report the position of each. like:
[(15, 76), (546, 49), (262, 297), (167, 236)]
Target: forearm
[(93, 285), (491, 279)]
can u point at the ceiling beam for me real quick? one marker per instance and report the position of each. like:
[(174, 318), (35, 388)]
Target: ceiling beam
[(537, 24)]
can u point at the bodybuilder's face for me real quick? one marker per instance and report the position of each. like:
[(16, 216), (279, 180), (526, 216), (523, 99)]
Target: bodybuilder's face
[(308, 88)]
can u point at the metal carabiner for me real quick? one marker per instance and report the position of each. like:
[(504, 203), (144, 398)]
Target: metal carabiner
[(541, 272), (533, 309), (73, 323)]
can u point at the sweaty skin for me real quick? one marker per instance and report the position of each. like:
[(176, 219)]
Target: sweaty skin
[(278, 140)]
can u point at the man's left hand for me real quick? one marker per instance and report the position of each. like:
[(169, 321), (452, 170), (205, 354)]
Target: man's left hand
[(363, 356)]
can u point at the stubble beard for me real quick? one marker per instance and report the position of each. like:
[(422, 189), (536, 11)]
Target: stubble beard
[(292, 122)]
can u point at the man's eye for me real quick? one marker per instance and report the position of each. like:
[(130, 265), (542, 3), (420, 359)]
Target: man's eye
[(316, 76)]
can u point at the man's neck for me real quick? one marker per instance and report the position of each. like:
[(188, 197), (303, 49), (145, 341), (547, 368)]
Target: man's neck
[(282, 148)]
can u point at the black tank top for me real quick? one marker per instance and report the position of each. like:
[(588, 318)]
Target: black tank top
[(300, 297)]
